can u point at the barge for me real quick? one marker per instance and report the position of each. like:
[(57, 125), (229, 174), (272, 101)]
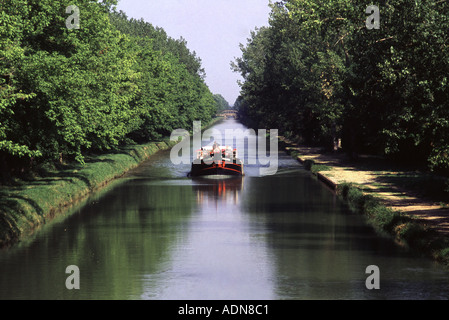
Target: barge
[(217, 160)]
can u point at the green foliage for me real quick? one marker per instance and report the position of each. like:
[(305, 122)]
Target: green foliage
[(141, 31), (316, 72), (399, 81), (415, 235), (172, 93), (65, 92), (221, 102), (383, 218), (11, 55), (319, 167), (293, 72), (25, 206)]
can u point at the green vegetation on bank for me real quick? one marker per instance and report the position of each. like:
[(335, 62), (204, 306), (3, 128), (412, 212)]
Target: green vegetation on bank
[(319, 75), (66, 92), (81, 106), (31, 203), (222, 104), (402, 226), (27, 203)]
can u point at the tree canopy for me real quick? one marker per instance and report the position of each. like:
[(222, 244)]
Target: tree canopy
[(319, 73), (67, 91), (221, 102)]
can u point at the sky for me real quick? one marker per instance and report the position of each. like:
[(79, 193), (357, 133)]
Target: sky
[(212, 28)]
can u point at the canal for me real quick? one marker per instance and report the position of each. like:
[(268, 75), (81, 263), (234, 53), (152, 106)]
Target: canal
[(158, 234)]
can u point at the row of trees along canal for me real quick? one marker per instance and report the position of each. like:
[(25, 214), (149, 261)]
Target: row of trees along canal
[(317, 72), (66, 92)]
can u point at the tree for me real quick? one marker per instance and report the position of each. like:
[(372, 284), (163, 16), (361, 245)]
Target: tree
[(65, 92), (293, 71), (11, 54), (319, 73), (221, 102), (399, 81), (172, 92)]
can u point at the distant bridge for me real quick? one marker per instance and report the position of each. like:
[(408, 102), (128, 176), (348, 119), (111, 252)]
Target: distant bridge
[(228, 114)]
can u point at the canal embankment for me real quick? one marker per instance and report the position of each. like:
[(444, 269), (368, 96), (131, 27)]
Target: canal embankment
[(26, 205), (402, 202)]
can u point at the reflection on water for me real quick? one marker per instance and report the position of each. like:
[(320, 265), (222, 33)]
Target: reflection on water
[(157, 234), (218, 258), (218, 189), (113, 240)]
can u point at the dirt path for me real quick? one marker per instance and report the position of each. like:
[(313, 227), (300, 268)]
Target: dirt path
[(373, 175)]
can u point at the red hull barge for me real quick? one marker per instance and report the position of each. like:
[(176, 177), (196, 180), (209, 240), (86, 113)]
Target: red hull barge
[(217, 161)]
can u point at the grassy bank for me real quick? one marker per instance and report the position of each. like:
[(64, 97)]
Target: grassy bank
[(368, 191), (404, 228), (28, 204)]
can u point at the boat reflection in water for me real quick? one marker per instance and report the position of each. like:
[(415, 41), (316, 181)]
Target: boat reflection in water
[(218, 188)]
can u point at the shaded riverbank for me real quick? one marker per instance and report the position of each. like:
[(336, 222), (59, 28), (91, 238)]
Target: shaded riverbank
[(404, 203), (28, 205)]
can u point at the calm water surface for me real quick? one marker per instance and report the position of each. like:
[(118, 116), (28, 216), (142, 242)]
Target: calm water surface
[(157, 234)]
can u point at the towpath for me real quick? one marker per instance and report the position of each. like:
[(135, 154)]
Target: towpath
[(403, 189)]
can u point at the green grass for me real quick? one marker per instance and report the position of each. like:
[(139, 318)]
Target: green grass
[(401, 226), (314, 167), (444, 205), (27, 204), (319, 167), (31, 202)]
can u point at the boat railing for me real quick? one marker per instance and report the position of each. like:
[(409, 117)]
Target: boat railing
[(209, 152)]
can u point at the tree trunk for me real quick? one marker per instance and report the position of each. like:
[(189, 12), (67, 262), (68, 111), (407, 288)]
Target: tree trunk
[(4, 169)]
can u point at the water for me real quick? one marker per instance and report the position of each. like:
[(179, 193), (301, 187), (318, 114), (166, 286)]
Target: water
[(157, 234)]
